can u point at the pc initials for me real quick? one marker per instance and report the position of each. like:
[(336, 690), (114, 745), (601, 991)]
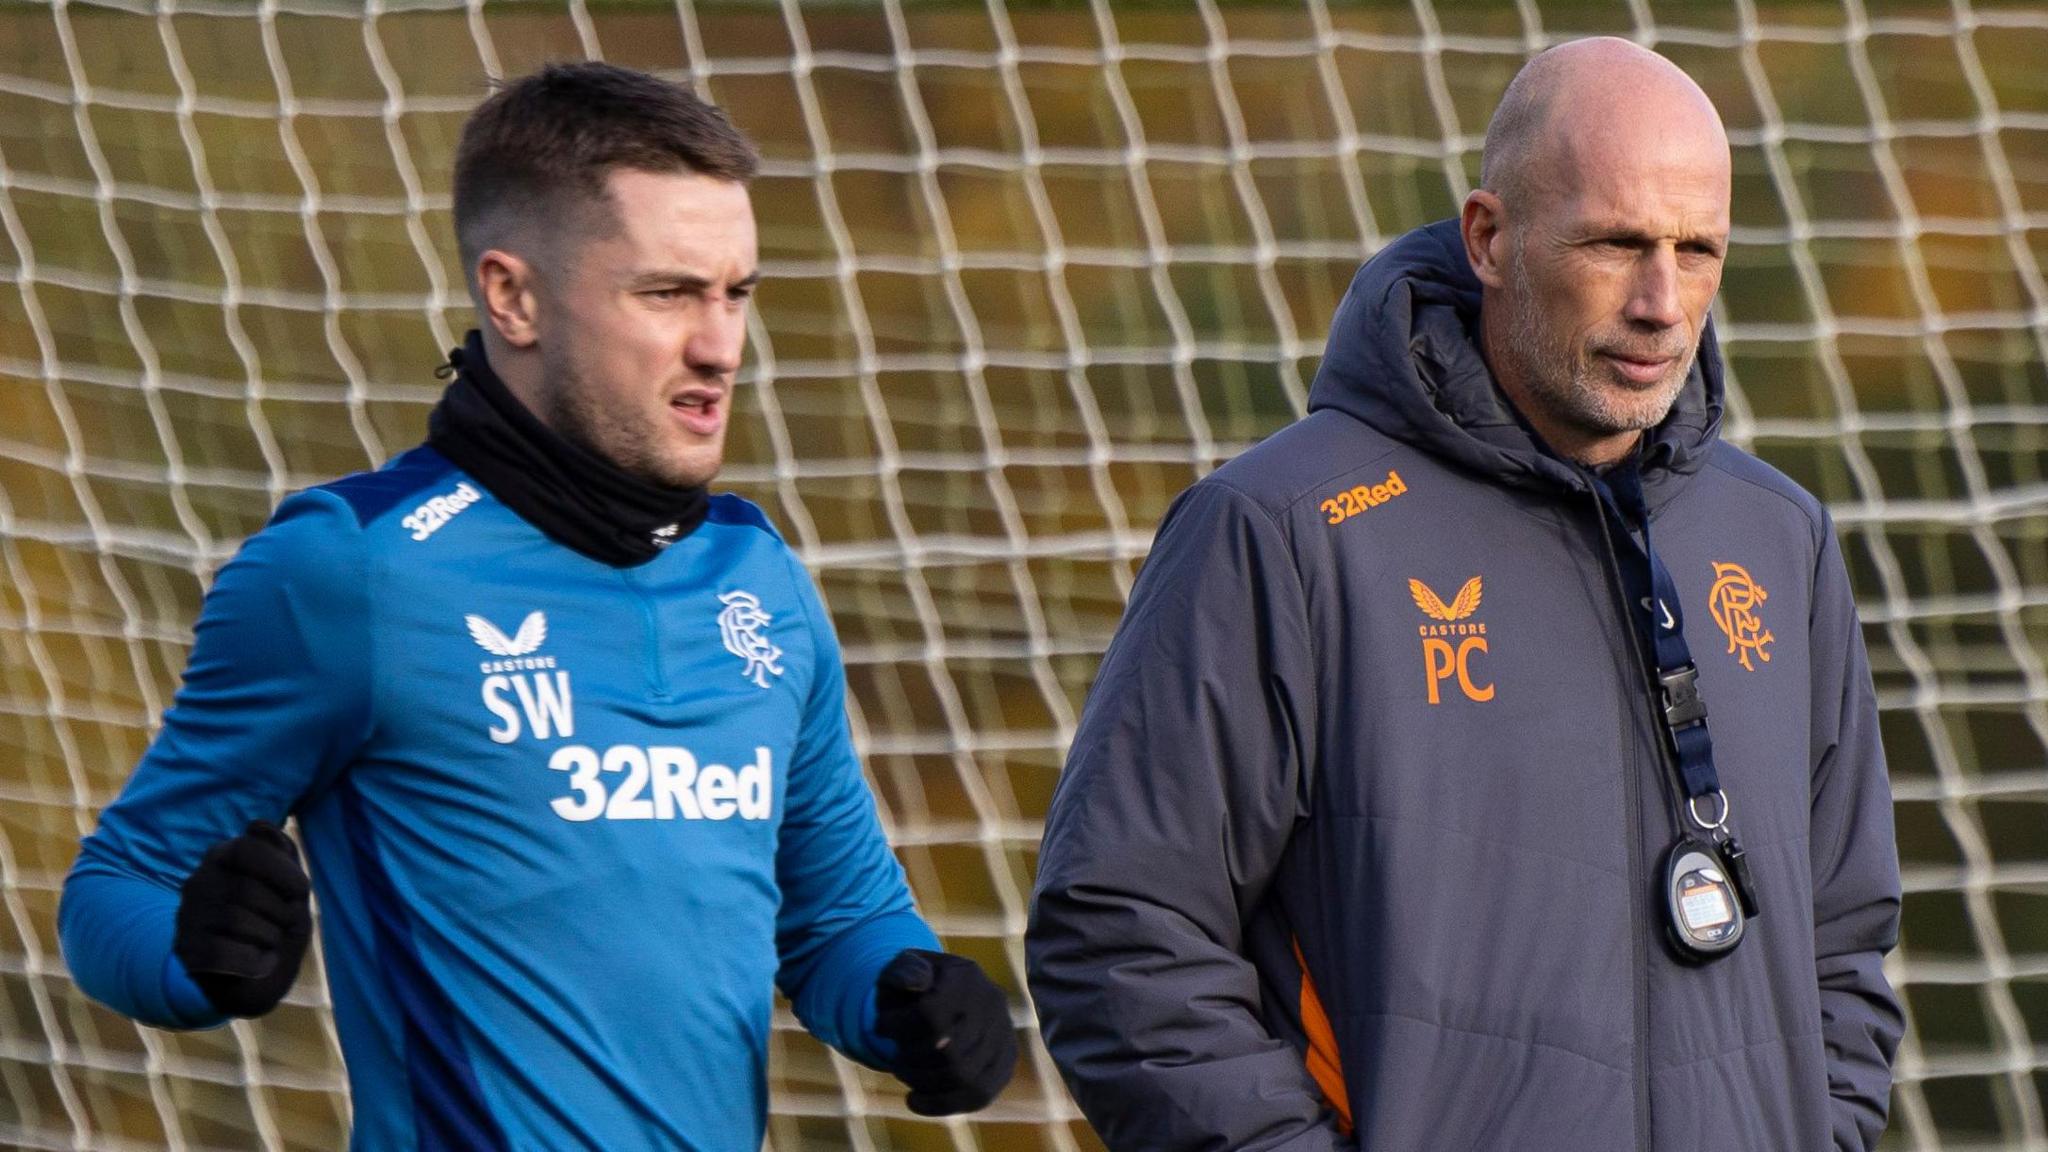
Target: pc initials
[(1441, 660)]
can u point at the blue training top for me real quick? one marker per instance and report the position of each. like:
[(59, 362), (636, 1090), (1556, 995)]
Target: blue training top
[(564, 820)]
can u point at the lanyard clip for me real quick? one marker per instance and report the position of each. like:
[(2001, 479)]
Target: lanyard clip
[(1683, 706)]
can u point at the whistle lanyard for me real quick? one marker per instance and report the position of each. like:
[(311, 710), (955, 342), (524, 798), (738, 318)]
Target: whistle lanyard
[(1710, 893), (1653, 597)]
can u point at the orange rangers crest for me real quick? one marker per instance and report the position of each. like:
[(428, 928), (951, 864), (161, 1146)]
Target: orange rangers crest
[(1733, 600)]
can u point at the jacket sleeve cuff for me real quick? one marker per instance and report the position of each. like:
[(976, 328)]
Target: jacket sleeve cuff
[(117, 932), (837, 999), (187, 1004)]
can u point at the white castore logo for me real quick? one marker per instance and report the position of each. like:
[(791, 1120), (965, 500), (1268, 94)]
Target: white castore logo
[(740, 625), (533, 632)]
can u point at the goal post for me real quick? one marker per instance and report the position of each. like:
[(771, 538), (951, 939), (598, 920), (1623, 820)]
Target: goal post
[(1029, 270)]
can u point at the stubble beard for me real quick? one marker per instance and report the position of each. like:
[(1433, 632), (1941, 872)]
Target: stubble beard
[(575, 412), (1564, 379)]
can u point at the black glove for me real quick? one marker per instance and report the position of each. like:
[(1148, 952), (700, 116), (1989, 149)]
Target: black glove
[(951, 1028), (244, 919)]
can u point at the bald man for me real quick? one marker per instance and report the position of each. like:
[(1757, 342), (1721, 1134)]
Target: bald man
[(1489, 760)]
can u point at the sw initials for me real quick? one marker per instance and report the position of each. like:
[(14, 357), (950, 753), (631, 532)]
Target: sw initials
[(543, 698)]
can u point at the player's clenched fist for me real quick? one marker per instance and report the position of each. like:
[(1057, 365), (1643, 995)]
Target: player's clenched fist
[(951, 1027), (244, 919)]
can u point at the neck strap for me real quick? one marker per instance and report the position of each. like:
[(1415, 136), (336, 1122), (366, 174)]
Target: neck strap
[(1660, 616)]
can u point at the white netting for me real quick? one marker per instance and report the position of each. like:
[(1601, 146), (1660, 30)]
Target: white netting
[(1030, 272)]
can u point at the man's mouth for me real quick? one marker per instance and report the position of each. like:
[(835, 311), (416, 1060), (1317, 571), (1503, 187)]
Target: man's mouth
[(701, 411), (1640, 369)]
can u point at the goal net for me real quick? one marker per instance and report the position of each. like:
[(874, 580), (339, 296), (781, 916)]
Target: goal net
[(1030, 271)]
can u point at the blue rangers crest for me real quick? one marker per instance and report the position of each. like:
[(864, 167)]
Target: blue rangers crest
[(740, 625)]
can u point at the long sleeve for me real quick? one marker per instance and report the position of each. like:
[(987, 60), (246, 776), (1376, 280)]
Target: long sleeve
[(846, 908), (275, 698), (1855, 866), (1179, 796)]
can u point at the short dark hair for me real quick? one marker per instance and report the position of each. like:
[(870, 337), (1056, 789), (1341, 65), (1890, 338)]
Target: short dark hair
[(540, 148)]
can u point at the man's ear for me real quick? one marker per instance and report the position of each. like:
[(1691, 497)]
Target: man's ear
[(505, 289), (1483, 224)]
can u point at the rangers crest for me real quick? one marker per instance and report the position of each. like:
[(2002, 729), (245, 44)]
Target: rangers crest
[(1734, 600), (740, 625)]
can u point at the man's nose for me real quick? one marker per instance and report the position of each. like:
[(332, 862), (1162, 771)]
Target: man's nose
[(1654, 298), (717, 345)]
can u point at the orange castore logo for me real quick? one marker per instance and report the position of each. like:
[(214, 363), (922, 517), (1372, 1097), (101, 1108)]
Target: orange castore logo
[(1433, 606), (1733, 600)]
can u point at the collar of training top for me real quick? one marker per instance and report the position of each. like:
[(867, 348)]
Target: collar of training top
[(578, 498)]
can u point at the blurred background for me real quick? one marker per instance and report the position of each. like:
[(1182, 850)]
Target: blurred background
[(1030, 271)]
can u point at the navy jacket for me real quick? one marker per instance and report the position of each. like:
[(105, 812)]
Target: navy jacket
[(1359, 842)]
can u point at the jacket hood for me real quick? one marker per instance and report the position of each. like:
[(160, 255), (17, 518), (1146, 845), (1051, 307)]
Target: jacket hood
[(1403, 356)]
